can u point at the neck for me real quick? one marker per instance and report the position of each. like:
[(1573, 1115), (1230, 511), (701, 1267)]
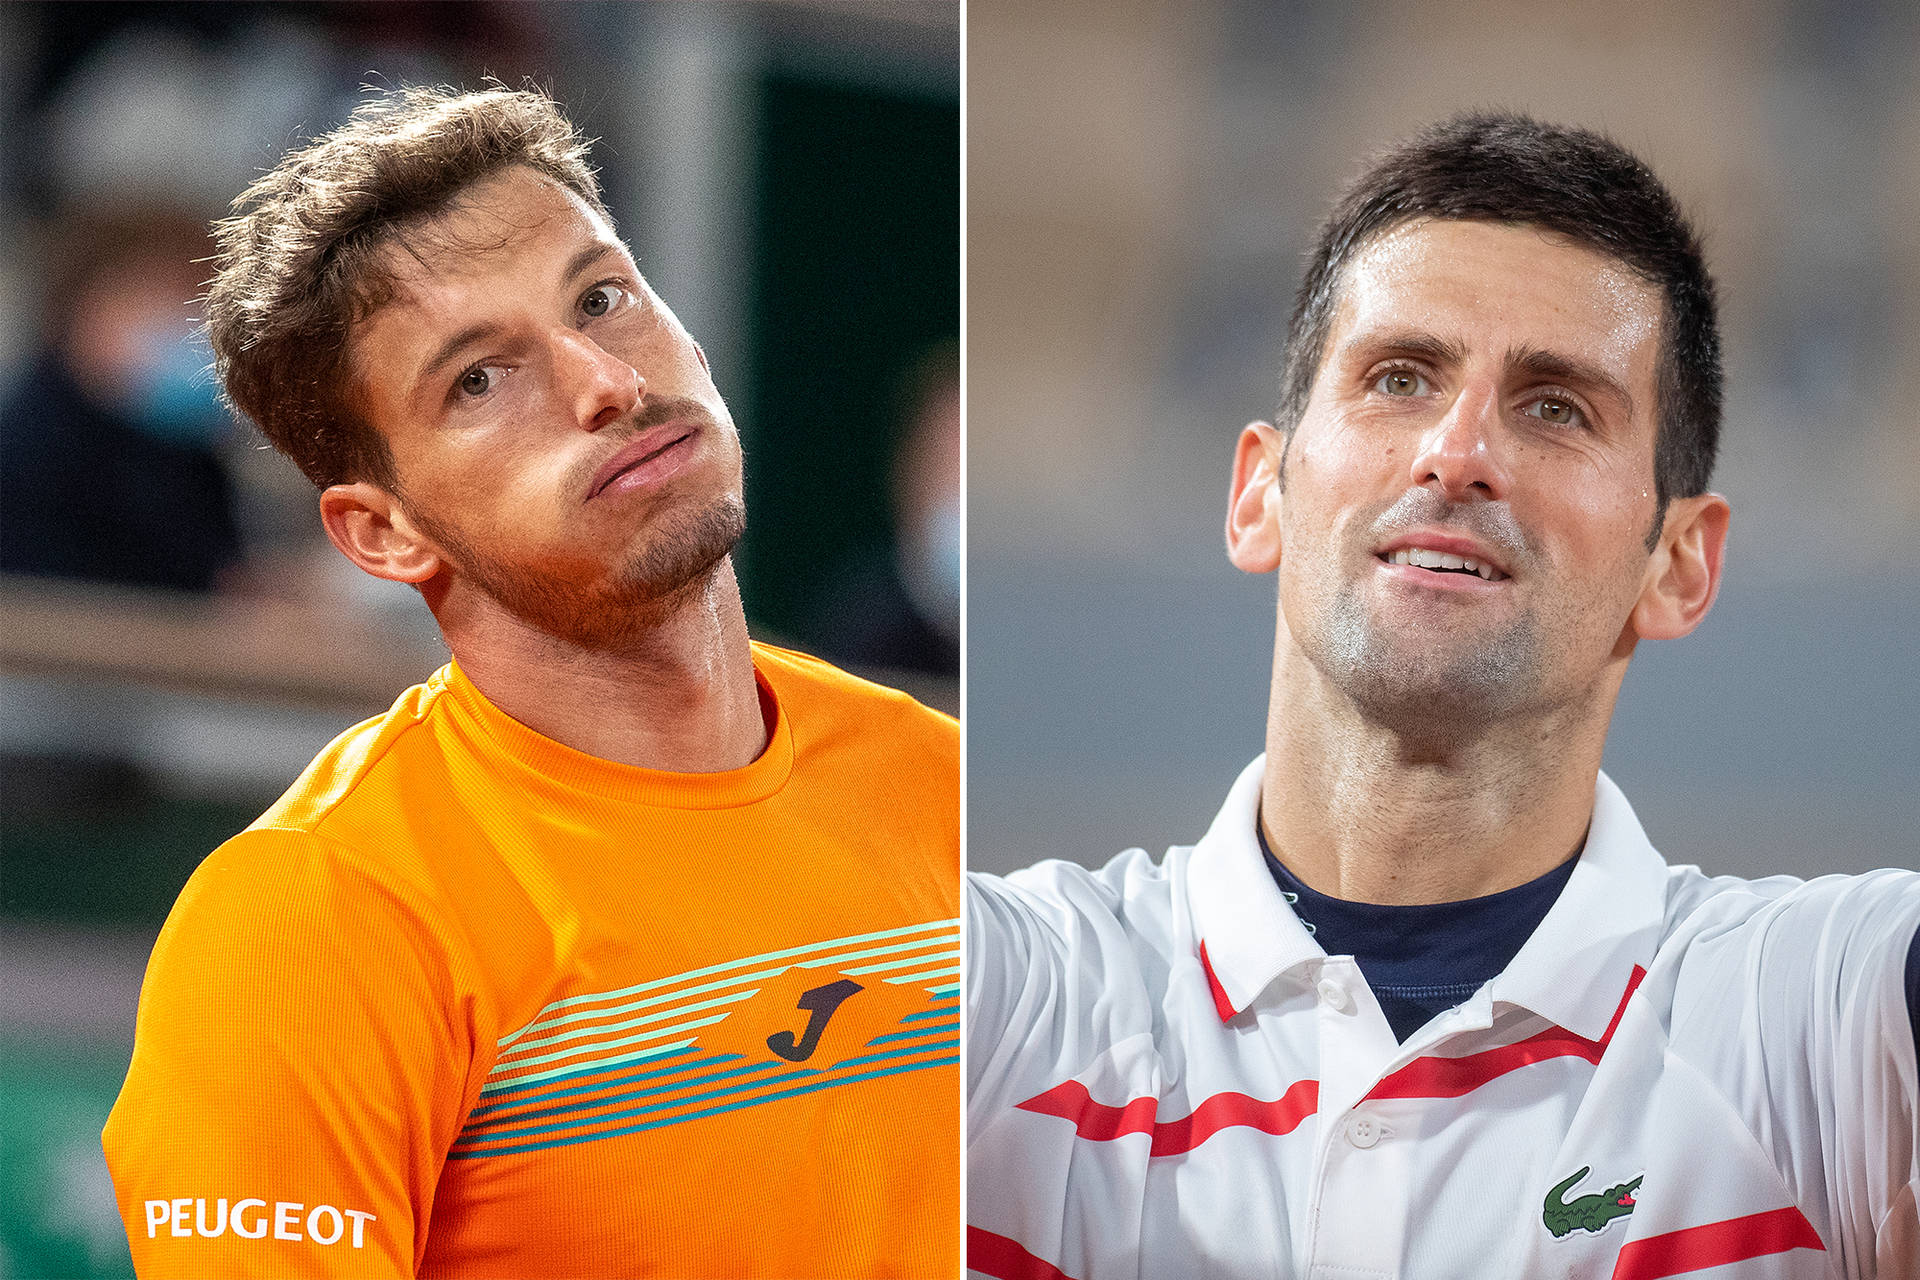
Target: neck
[(1363, 811), (676, 694)]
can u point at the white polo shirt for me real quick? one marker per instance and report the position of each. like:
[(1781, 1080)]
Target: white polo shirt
[(1676, 1074)]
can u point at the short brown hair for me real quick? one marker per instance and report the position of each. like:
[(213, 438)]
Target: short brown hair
[(299, 262)]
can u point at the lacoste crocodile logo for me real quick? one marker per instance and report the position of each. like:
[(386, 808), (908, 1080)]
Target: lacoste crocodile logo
[(1590, 1212)]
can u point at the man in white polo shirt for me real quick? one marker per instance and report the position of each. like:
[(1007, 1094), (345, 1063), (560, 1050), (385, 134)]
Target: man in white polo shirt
[(1424, 1001)]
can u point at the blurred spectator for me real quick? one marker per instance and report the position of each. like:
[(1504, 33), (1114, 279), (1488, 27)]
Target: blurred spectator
[(903, 611), (107, 445)]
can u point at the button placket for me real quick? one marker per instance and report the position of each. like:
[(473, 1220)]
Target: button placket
[(1363, 1130)]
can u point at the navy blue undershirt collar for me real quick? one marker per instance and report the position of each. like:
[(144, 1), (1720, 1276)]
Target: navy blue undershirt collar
[(1424, 959)]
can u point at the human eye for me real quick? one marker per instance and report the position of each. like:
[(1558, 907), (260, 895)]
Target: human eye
[(1556, 408), (605, 298), (1402, 382), (478, 381)]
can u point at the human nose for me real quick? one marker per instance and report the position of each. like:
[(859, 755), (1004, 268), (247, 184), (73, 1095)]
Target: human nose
[(1461, 452), (604, 387)]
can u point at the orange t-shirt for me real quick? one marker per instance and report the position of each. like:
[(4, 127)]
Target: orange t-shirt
[(467, 1002)]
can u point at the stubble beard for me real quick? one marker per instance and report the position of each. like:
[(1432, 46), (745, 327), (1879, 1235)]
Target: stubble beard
[(1434, 687), (672, 567), (1428, 684)]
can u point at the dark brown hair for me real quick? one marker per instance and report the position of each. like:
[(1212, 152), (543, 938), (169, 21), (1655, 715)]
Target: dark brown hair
[(1505, 168), (300, 260)]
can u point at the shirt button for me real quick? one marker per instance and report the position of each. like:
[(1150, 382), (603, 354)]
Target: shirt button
[(1363, 1131), (1334, 996)]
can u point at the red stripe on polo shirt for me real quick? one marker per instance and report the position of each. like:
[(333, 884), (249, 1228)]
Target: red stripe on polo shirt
[(1221, 1005), (1237, 1110), (1094, 1121), (1438, 1077), (1004, 1259), (1716, 1244), (1099, 1122)]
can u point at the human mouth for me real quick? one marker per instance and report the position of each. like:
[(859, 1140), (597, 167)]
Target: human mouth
[(652, 456), (1443, 562), (1436, 557)]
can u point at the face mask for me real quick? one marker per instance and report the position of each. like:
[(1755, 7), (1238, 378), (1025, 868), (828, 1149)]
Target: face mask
[(173, 397), (929, 560)]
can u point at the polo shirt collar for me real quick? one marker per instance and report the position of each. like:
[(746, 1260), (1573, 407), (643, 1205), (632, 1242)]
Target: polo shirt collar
[(1607, 921), (1572, 971), (1248, 934)]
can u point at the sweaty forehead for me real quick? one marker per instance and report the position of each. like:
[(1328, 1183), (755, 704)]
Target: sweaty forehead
[(1494, 286)]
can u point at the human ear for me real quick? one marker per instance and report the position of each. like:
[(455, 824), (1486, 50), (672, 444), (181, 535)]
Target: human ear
[(1683, 574), (1253, 503), (370, 528)]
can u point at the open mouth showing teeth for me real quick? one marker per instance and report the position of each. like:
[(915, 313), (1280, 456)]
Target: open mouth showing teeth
[(1442, 562)]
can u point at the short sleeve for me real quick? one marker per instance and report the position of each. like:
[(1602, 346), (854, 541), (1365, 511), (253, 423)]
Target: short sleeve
[(299, 1071), (1040, 945), (1803, 1007), (1057, 971), (1007, 964)]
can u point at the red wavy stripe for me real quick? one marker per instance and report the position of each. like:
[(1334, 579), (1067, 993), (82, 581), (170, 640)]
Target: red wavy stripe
[(1230, 1110), (1005, 1259), (1716, 1244), (1095, 1121), (1099, 1122), (1451, 1077)]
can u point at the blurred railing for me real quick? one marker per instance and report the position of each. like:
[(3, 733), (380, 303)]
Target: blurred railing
[(283, 651)]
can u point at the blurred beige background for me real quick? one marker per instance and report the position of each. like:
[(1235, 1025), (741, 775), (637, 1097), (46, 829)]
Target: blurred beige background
[(1144, 181)]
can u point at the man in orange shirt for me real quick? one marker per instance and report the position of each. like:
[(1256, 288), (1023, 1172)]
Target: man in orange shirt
[(621, 946)]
